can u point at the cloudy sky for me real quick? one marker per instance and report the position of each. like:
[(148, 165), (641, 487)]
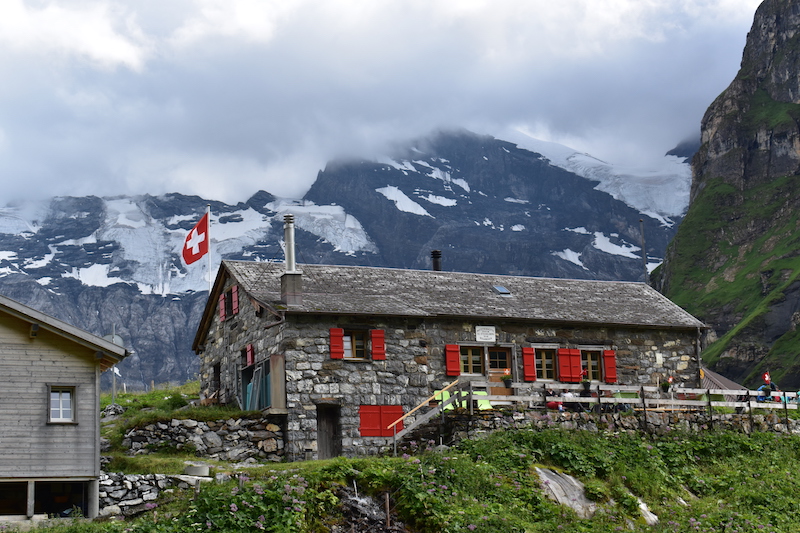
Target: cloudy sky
[(222, 98)]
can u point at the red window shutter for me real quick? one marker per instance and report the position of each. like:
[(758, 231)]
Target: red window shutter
[(250, 354), (235, 299), (337, 343), (610, 366), (370, 421), (569, 365), (528, 364), (452, 359), (378, 342), (222, 306), (390, 413)]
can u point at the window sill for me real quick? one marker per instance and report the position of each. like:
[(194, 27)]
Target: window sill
[(62, 423)]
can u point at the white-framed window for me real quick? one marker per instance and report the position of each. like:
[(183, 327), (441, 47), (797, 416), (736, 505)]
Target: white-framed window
[(61, 406)]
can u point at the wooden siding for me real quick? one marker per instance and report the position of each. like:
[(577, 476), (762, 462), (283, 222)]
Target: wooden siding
[(29, 446)]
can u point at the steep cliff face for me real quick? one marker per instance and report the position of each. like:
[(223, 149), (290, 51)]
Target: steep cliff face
[(734, 262)]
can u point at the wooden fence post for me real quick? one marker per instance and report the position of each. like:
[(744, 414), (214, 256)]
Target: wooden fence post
[(644, 409)]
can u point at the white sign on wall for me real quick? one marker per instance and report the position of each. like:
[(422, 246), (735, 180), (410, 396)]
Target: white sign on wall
[(485, 334)]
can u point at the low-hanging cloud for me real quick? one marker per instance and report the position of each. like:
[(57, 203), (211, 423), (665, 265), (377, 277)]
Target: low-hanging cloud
[(225, 97)]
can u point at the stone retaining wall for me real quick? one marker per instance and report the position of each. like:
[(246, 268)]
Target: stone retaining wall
[(225, 440), (461, 425), (127, 495)]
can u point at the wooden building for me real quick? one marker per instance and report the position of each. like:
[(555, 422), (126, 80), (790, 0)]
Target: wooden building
[(49, 413)]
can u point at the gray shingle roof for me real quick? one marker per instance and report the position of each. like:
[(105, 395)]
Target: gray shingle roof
[(355, 290)]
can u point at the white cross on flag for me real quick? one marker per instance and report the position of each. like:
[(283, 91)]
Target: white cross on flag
[(767, 377), (196, 244)]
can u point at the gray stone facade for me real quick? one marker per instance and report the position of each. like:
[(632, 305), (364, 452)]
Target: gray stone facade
[(304, 377)]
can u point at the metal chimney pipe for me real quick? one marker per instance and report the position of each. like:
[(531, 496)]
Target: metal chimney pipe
[(291, 279), (288, 237), (436, 259)]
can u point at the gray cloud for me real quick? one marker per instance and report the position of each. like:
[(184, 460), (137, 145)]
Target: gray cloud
[(225, 97)]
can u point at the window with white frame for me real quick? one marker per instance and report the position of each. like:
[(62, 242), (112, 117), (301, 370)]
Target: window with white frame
[(62, 404)]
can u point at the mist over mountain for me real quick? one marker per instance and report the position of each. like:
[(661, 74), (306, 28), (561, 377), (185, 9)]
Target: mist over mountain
[(521, 207)]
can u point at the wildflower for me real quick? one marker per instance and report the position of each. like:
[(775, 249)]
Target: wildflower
[(472, 527), (150, 506), (234, 508)]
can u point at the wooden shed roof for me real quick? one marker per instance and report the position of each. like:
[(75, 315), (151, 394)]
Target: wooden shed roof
[(110, 353), (355, 290)]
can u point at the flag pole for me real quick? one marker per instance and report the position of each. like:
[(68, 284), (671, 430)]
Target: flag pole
[(210, 280)]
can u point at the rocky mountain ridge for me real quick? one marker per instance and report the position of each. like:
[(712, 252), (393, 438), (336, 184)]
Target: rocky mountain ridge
[(734, 262), (490, 205)]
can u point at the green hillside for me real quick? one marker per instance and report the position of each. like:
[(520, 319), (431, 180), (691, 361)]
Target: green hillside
[(734, 259), (711, 482)]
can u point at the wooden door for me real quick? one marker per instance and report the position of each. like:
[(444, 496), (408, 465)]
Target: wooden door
[(329, 432)]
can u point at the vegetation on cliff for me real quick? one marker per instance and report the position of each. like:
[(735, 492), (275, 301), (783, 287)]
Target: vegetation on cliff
[(735, 260)]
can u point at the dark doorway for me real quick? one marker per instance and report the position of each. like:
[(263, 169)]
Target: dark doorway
[(329, 431), (13, 498)]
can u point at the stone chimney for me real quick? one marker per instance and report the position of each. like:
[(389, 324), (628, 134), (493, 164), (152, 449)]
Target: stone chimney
[(436, 259), (291, 279)]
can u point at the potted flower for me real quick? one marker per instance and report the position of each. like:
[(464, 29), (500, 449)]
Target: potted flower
[(507, 378), (665, 385), (585, 383)]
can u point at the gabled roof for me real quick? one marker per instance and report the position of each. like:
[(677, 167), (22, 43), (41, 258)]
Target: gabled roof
[(110, 353), (355, 290)]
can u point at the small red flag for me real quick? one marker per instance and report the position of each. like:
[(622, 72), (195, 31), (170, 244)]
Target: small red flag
[(196, 244), (767, 377)]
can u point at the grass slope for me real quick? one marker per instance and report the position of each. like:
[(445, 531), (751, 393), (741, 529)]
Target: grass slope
[(712, 482), (736, 254)]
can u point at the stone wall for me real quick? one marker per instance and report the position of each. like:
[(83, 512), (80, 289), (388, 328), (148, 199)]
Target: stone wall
[(460, 426), (226, 440), (413, 370), (126, 495), (415, 367)]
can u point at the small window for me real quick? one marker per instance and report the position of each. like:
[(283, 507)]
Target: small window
[(471, 359), (248, 356), (229, 303), (499, 358), (545, 363), (590, 362), (355, 344), (502, 291), (62, 404)]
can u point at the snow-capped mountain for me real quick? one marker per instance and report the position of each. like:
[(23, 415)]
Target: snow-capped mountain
[(489, 205)]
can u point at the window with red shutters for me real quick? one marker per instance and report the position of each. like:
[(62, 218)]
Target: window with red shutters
[(452, 359), (229, 303), (528, 364), (610, 366), (249, 355), (377, 344), (375, 419)]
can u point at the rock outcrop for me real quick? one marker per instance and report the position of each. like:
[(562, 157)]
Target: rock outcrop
[(734, 262)]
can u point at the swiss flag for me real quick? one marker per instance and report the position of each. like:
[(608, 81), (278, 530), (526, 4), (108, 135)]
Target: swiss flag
[(196, 244), (767, 377)]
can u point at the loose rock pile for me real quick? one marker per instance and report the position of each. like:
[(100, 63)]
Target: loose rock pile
[(226, 440)]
